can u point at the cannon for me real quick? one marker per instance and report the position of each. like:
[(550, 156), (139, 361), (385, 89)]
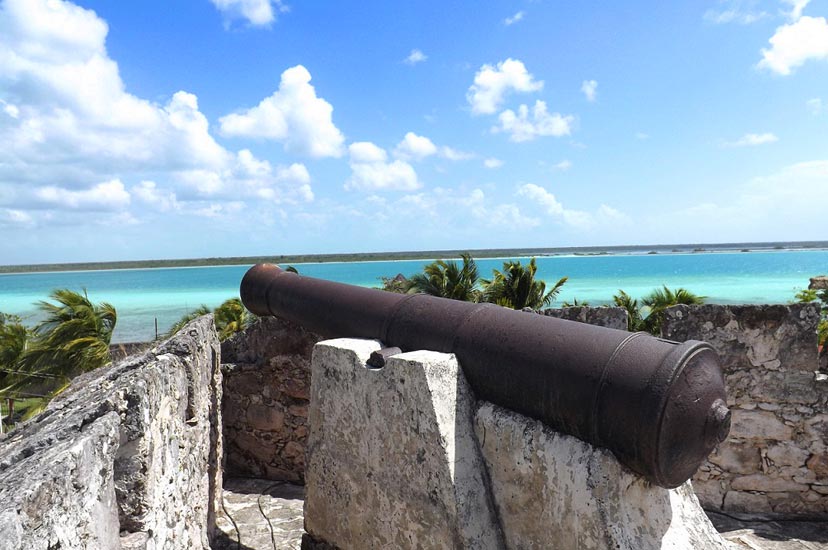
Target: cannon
[(658, 406)]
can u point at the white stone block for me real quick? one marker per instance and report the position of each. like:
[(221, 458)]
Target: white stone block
[(554, 491), (392, 461)]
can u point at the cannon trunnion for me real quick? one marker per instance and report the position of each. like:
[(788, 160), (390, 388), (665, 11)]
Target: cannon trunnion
[(659, 406)]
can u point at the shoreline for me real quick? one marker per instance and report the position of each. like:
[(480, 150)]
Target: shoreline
[(425, 255)]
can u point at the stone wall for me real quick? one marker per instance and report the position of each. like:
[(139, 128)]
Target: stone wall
[(610, 317), (406, 457), (776, 458), (129, 456), (266, 389)]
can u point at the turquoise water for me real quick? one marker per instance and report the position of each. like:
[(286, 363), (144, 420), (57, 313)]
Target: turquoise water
[(143, 295)]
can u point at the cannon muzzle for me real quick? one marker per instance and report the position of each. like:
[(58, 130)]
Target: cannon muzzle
[(659, 406)]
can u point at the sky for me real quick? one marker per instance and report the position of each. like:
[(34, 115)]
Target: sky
[(147, 129)]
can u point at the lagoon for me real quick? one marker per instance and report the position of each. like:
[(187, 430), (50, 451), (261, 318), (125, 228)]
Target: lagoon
[(143, 295)]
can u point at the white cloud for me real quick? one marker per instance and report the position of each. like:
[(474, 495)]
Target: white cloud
[(796, 8), (577, 220), (590, 90), (110, 195), (415, 147), (370, 170), (416, 56), (750, 140), (70, 124), (642, 135), (514, 18), (525, 127), (148, 193), (564, 165), (742, 12), (492, 163), (293, 114), (816, 105), (491, 84), (795, 43), (449, 153), (256, 12)]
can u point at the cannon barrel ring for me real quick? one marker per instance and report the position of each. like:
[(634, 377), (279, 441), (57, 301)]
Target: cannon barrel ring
[(659, 406)]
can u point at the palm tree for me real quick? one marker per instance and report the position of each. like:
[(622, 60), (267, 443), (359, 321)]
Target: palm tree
[(635, 322), (662, 298), (14, 340), (231, 317), (74, 337), (447, 279), (186, 318), (515, 287)]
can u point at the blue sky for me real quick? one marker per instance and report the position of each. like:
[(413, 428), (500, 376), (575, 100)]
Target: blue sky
[(138, 130)]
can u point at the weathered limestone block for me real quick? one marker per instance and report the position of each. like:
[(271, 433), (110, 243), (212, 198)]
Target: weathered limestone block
[(133, 449), (392, 459), (819, 282), (41, 506), (553, 490), (610, 317), (765, 336), (266, 392)]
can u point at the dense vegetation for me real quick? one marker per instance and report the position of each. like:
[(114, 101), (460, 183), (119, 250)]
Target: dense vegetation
[(74, 337), (517, 286)]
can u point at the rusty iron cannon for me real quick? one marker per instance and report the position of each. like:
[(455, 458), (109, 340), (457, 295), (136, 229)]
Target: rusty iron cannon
[(658, 405)]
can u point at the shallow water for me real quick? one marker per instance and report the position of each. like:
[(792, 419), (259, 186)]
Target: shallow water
[(143, 295)]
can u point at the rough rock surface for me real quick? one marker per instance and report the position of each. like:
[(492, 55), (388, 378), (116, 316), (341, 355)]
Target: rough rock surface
[(129, 455), (266, 390), (776, 457), (610, 317), (392, 457), (550, 486), (819, 282)]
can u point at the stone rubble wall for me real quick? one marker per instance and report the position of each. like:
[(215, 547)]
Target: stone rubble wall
[(610, 317), (129, 456), (776, 458), (266, 390), (405, 457)]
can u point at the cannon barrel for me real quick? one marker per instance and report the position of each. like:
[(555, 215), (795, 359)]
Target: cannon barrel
[(659, 406)]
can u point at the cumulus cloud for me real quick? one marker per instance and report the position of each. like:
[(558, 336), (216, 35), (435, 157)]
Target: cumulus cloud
[(293, 115), (796, 43), (492, 83), (371, 171), (492, 163), (564, 165), (415, 147), (796, 8), (416, 56), (148, 193), (256, 12), (511, 20), (574, 219), (590, 90), (76, 138), (110, 195), (523, 126), (750, 140)]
